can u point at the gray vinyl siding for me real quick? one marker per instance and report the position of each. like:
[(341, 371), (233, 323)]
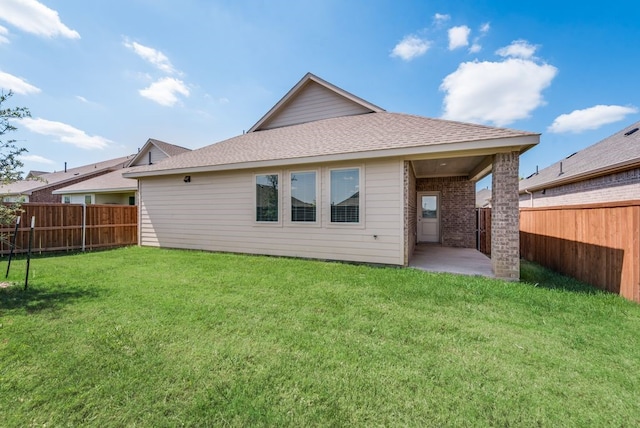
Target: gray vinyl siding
[(156, 156), (315, 103), (215, 212)]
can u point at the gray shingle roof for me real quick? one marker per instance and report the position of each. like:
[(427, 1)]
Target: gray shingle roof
[(335, 136), (110, 182), (169, 149), (49, 179), (613, 152)]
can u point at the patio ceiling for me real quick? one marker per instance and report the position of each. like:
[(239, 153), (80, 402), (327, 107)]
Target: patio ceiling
[(475, 167)]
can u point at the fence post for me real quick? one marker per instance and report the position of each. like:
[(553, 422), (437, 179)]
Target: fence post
[(84, 225)]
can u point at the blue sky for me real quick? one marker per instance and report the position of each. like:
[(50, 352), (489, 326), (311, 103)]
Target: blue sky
[(102, 76)]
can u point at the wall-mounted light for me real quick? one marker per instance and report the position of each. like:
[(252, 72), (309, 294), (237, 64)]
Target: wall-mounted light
[(187, 179)]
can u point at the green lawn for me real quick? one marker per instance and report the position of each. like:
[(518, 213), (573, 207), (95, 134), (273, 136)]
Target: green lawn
[(149, 337)]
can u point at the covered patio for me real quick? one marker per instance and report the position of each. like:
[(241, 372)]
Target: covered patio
[(463, 261)]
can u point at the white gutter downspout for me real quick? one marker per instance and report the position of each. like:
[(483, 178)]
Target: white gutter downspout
[(529, 193)]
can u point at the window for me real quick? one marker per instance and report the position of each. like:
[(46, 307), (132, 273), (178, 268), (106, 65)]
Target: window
[(267, 198), (67, 200), (303, 196), (87, 199), (345, 195), (132, 200)]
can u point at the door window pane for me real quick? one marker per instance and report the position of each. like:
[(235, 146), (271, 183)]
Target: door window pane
[(267, 197), (345, 196), (429, 207), (303, 196)]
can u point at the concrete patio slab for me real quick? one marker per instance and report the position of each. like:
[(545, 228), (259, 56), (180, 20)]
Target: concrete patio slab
[(464, 261)]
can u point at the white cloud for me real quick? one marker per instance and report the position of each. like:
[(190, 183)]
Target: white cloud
[(518, 49), (3, 35), (475, 48), (34, 17), (151, 55), (495, 92), (484, 28), (16, 84), (459, 37), (440, 18), (81, 98), (410, 47), (36, 159), (164, 91), (65, 133), (589, 118)]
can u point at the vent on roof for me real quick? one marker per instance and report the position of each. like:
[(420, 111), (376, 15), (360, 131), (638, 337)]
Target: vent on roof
[(571, 155), (631, 131)]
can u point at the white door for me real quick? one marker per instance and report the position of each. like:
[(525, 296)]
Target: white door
[(428, 217)]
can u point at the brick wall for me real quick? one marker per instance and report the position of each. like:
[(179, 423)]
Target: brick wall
[(505, 217), (410, 203), (621, 186), (457, 209)]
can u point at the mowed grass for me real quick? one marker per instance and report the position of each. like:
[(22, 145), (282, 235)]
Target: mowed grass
[(151, 337)]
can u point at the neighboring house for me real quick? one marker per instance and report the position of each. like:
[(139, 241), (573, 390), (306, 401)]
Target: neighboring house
[(40, 187), (113, 188), (367, 173), (608, 171), (483, 198)]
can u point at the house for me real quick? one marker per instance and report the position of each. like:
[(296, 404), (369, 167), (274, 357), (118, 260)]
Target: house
[(113, 188), (368, 174), (608, 171), (483, 198), (40, 187)]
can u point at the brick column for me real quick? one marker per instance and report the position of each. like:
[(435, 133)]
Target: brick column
[(505, 217)]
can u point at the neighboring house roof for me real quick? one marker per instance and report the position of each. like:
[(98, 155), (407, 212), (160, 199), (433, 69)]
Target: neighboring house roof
[(111, 182), (168, 149), (370, 135), (114, 182), (617, 152), (34, 173), (483, 198), (27, 187)]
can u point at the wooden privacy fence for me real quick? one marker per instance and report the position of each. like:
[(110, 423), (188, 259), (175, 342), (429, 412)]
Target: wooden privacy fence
[(598, 243), (67, 227), (483, 230)]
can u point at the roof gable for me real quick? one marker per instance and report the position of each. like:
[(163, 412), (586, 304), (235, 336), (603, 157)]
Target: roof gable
[(311, 99), (154, 151), (618, 151)]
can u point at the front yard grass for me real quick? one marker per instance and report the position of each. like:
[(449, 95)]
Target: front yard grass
[(152, 337)]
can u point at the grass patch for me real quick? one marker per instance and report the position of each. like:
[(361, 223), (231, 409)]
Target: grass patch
[(151, 337)]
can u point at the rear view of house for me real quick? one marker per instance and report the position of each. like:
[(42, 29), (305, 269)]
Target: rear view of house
[(325, 174)]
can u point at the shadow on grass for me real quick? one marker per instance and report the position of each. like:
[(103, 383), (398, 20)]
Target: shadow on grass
[(542, 277), (37, 300)]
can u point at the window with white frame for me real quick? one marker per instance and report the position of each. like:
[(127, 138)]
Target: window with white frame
[(267, 198), (303, 197), (345, 195)]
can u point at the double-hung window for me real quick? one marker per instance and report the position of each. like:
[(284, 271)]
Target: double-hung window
[(345, 195), (303, 197), (267, 198)]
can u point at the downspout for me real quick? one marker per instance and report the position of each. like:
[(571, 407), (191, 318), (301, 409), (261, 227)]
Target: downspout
[(529, 193)]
